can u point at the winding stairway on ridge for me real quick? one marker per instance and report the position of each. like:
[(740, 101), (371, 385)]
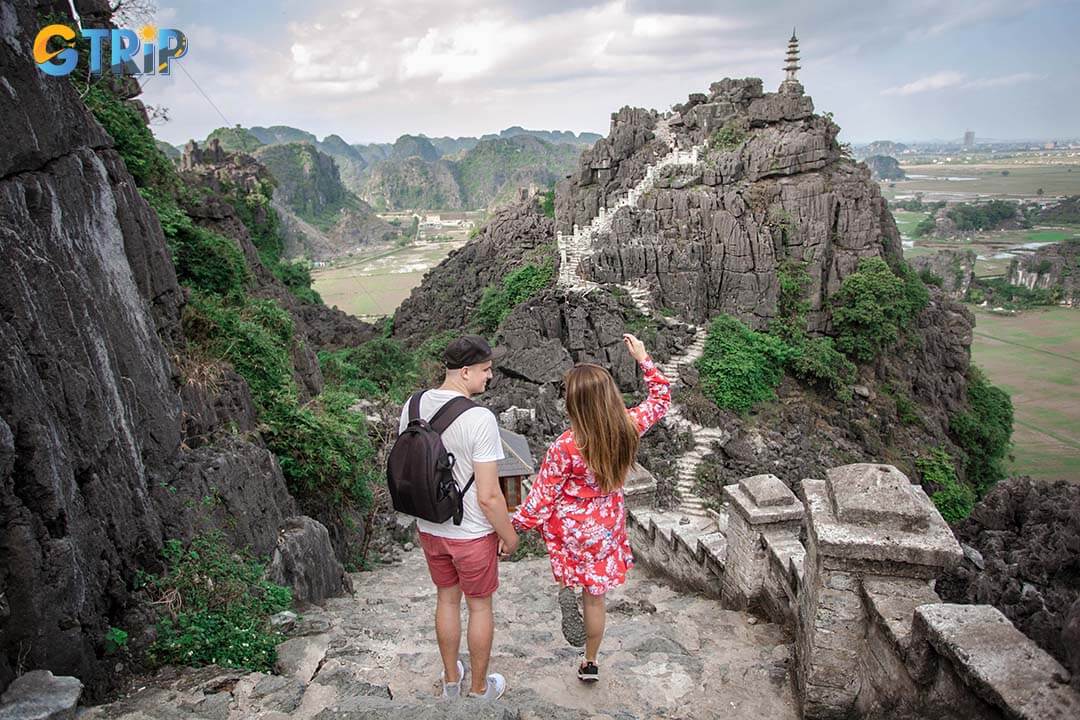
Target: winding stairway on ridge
[(701, 530)]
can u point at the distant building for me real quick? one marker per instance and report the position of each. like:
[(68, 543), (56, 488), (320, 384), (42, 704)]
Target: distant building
[(969, 139)]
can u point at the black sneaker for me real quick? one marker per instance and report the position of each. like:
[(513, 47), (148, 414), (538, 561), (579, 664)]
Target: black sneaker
[(573, 627), (588, 672)]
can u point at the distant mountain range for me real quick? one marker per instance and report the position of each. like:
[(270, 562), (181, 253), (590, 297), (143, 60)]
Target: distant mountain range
[(422, 173)]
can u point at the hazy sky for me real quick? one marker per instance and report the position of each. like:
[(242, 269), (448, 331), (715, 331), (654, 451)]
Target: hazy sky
[(370, 71)]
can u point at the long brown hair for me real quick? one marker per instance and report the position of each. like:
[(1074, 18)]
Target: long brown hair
[(603, 430)]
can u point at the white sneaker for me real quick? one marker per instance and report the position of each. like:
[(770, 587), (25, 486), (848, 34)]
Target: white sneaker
[(452, 690), (496, 686)]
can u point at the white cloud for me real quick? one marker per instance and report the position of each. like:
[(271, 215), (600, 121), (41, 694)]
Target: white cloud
[(958, 80), (1003, 80), (937, 81), (374, 70), (326, 69)]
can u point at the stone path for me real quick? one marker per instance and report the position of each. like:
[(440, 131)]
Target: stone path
[(666, 654)]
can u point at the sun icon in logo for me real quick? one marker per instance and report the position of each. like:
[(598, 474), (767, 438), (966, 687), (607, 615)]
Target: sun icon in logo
[(148, 33)]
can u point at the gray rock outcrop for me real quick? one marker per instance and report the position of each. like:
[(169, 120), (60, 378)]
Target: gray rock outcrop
[(40, 695), (96, 404), (710, 237), (1054, 267), (304, 561), (955, 269)]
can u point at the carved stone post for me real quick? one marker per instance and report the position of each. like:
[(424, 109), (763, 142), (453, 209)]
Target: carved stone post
[(863, 520), (761, 506)]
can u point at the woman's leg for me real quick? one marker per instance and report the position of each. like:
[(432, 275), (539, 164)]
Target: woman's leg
[(594, 623)]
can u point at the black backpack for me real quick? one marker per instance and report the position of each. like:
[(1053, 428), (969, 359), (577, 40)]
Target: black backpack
[(419, 470)]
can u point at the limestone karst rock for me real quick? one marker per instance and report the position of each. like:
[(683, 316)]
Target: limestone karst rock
[(96, 406)]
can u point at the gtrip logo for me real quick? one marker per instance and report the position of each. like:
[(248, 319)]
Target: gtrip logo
[(149, 51)]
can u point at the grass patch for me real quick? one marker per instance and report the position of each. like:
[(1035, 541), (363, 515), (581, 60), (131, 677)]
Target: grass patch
[(217, 607), (516, 287)]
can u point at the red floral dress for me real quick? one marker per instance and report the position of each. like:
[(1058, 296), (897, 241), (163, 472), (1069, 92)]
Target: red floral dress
[(583, 528)]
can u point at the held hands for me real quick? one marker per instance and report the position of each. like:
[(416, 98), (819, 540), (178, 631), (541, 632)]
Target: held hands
[(506, 549), (635, 347)]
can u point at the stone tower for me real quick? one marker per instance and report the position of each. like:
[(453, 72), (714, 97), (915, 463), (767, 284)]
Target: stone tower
[(791, 84)]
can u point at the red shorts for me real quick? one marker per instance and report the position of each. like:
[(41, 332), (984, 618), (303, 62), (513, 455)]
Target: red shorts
[(472, 564)]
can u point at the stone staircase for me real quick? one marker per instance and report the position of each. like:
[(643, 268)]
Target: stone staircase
[(693, 534), (575, 247)]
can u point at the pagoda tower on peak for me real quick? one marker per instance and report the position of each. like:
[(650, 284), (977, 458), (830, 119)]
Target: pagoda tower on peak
[(791, 84)]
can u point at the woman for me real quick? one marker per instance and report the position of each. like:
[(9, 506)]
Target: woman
[(577, 498)]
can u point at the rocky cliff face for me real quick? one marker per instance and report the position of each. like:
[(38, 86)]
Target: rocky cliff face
[(449, 293), (412, 182), (1051, 267), (1022, 556), (710, 237), (952, 270), (110, 437)]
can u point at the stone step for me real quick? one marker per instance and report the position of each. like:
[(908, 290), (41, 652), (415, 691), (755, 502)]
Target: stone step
[(689, 533), (664, 524), (641, 516), (714, 547)]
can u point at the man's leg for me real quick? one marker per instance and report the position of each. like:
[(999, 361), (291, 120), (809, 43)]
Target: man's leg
[(448, 630), (481, 633), (595, 616)]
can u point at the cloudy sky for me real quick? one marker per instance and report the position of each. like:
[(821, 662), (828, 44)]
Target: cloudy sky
[(371, 70)]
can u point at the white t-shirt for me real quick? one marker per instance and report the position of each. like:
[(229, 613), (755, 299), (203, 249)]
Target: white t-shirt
[(472, 438)]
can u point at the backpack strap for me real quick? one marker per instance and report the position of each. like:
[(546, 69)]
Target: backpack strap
[(414, 406), (450, 412)]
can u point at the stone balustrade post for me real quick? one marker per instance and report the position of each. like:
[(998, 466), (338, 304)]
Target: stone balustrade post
[(863, 521), (761, 506)]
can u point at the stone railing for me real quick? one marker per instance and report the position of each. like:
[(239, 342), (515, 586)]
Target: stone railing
[(872, 638)]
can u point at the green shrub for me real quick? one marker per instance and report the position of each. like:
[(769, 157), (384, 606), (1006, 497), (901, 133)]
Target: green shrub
[(218, 607), (953, 499), (930, 278), (378, 367), (296, 276), (203, 259), (739, 367), (791, 304), (925, 227), (873, 305), (728, 137), (115, 640), (1012, 297), (547, 203), (517, 286), (816, 361), (983, 431), (323, 448), (982, 216)]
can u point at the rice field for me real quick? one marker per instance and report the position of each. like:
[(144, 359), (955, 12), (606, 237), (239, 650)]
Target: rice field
[(373, 285), (1035, 357)]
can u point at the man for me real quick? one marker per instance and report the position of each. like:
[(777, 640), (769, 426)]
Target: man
[(463, 559)]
